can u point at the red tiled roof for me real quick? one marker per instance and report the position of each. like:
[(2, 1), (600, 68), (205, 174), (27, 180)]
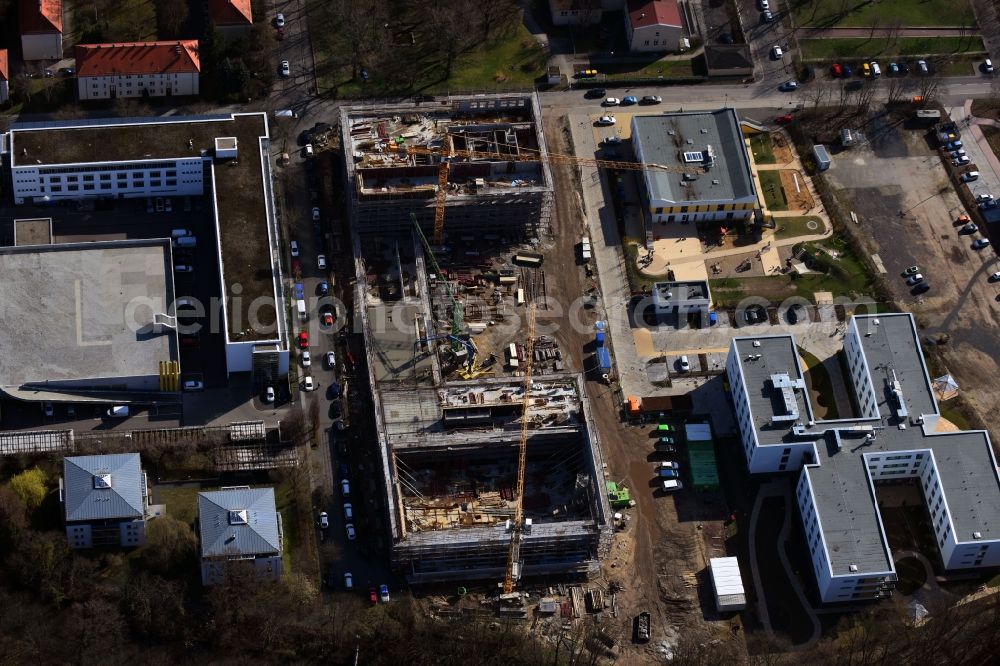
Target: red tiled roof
[(643, 13), (230, 12), (3, 65), (178, 57), (40, 16)]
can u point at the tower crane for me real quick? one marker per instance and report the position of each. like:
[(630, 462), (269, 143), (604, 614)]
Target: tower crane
[(517, 531), (523, 155)]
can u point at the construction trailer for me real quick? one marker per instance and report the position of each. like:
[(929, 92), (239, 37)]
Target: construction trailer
[(727, 582), (491, 194)]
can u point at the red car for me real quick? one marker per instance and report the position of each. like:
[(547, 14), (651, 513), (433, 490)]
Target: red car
[(836, 69), (373, 595), (327, 319), (783, 120), (303, 340)]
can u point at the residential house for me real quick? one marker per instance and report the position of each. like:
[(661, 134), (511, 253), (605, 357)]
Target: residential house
[(576, 12), (4, 77), (239, 523), (653, 25), (232, 18), (138, 69), (105, 500), (41, 29)]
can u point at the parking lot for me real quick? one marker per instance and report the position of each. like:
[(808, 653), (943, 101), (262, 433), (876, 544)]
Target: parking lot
[(909, 209)]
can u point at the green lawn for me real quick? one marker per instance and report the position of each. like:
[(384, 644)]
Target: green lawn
[(181, 501), (803, 225), (111, 21), (774, 195), (912, 13), (763, 152), (862, 47), (661, 68), (819, 381), (952, 411), (516, 61), (284, 497), (992, 135)]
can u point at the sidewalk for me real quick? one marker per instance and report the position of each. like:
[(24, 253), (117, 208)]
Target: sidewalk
[(975, 129)]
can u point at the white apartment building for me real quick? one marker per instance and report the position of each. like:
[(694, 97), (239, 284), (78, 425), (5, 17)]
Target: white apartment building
[(41, 27), (895, 436), (41, 183), (653, 25), (138, 69), (718, 187)]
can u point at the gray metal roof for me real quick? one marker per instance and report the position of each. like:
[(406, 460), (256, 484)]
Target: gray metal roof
[(681, 294), (841, 486), (103, 487), (693, 132), (238, 521)]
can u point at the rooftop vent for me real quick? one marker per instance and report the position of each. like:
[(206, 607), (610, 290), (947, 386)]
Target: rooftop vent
[(102, 481), (694, 156), (977, 535), (690, 141), (715, 181), (756, 343), (704, 131), (671, 132), (853, 567), (238, 517)]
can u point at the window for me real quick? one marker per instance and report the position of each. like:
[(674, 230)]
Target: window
[(646, 43), (684, 209)]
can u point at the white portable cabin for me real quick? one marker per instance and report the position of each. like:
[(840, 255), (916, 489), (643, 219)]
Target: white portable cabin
[(728, 584)]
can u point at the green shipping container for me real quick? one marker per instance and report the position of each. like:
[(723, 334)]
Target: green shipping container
[(704, 473)]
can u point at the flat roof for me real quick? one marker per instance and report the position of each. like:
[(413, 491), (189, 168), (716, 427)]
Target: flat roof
[(680, 294), (665, 139), (241, 198), (840, 480), (70, 303), (761, 358)]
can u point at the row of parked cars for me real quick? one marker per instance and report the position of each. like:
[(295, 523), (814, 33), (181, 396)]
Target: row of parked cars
[(669, 471)]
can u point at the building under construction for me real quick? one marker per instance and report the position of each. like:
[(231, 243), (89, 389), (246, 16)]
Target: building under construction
[(394, 155), (448, 413)]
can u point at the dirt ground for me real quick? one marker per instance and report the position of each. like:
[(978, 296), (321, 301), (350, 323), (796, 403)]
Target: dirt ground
[(658, 559), (797, 200), (904, 173), (783, 152)]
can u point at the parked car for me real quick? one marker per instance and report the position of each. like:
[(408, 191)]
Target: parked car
[(372, 595), (651, 99), (345, 488), (766, 16), (914, 279), (323, 521), (848, 71), (321, 262), (611, 101), (348, 581), (348, 511), (969, 176), (958, 153), (269, 394), (303, 340), (194, 385), (921, 288), (983, 198), (383, 593), (351, 534), (595, 93), (995, 277), (612, 140), (323, 288), (961, 161), (279, 20), (670, 485), (922, 66), (953, 145), (988, 66), (308, 384), (665, 427), (912, 270), (788, 86), (893, 69), (330, 360), (295, 248), (315, 212), (629, 100), (783, 120), (980, 243), (764, 5), (666, 439), (776, 52), (286, 69), (604, 121), (836, 70), (682, 364), (970, 228), (306, 359), (326, 319)]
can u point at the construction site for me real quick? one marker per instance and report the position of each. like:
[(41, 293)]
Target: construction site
[(479, 153), (491, 461)]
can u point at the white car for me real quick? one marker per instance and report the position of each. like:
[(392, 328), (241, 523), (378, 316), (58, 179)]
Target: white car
[(192, 385), (776, 52), (315, 213), (331, 360), (351, 534), (348, 581), (279, 20), (324, 520), (306, 358), (345, 488), (983, 198), (269, 394), (914, 279), (321, 261), (764, 5), (684, 364), (612, 101), (286, 69), (670, 485), (995, 277), (606, 120), (308, 384), (295, 248), (961, 161)]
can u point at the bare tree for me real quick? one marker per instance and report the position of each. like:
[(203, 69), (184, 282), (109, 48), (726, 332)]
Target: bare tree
[(876, 20), (495, 14), (928, 89), (892, 31), (895, 91), (172, 15), (449, 22)]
